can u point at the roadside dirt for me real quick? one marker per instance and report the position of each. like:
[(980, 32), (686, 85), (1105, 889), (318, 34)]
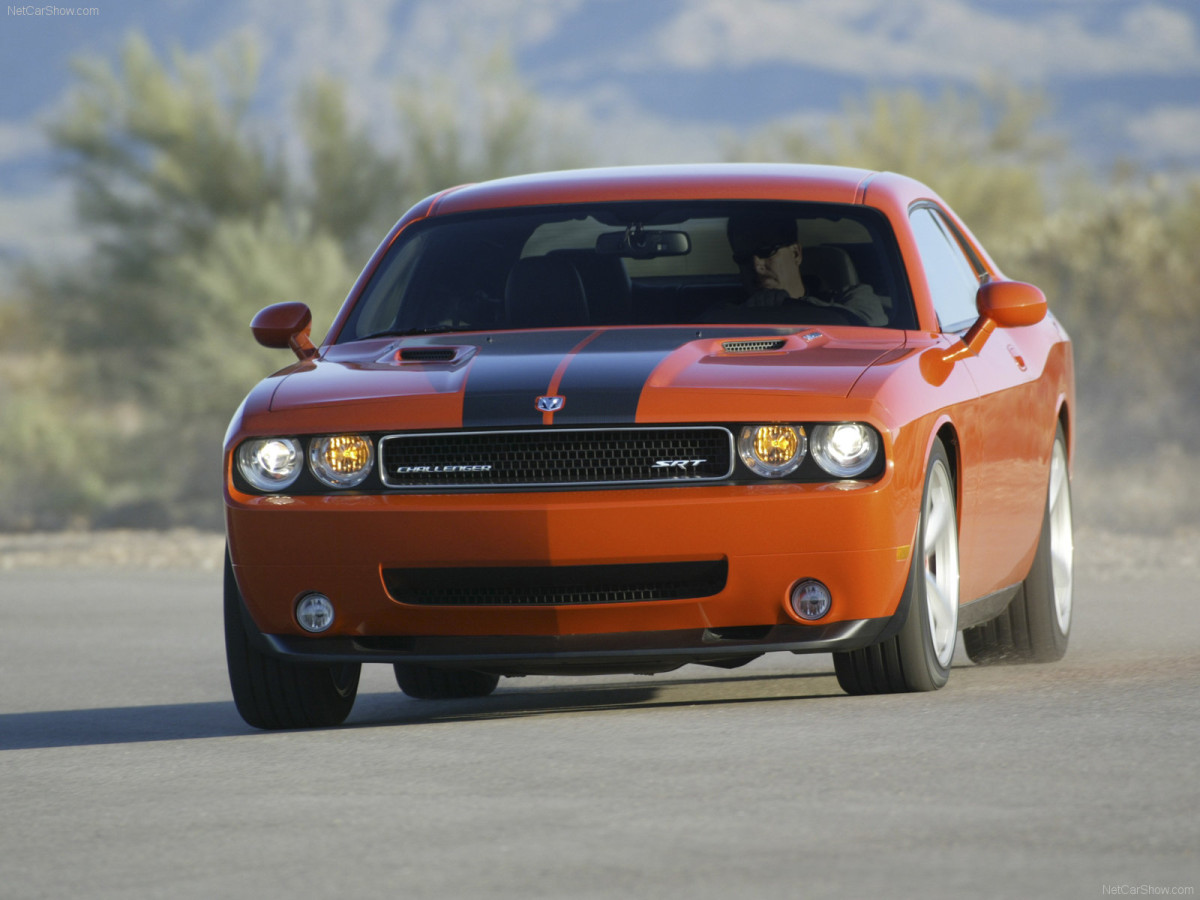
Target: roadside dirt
[(123, 549), (1104, 553)]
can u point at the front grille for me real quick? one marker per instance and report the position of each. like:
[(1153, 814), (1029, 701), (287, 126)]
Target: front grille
[(556, 585), (556, 457), (754, 346)]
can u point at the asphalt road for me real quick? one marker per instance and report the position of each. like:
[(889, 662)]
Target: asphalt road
[(126, 772)]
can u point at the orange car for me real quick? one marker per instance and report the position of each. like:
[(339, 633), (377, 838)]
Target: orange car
[(621, 420)]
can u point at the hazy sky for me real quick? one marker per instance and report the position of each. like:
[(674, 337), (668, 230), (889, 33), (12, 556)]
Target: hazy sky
[(644, 81)]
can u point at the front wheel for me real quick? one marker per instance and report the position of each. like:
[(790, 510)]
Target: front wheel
[(272, 693), (918, 657)]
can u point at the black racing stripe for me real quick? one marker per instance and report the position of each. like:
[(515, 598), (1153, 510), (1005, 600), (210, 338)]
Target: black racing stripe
[(508, 374), (603, 383)]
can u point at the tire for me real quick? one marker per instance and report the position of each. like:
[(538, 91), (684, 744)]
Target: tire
[(918, 657), (1036, 626), (428, 683), (271, 693)]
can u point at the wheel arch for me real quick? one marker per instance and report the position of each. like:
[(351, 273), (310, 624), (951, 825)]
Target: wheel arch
[(1065, 418), (945, 430), (948, 435)]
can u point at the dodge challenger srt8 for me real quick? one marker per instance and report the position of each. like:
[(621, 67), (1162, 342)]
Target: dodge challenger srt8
[(621, 420)]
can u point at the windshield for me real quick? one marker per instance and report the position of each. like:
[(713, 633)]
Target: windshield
[(660, 263)]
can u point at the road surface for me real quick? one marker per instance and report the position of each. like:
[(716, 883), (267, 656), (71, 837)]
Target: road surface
[(126, 772)]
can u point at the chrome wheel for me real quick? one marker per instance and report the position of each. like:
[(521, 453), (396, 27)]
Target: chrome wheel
[(1036, 626), (941, 563), (917, 656), (1062, 540)]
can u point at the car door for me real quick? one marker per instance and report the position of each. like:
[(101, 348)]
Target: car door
[(1002, 482)]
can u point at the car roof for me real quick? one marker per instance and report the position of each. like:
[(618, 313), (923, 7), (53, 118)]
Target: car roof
[(742, 181)]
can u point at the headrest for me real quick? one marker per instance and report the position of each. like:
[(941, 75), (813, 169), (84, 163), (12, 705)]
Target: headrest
[(831, 268)]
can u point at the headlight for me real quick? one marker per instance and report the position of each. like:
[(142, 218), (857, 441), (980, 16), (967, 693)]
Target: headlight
[(772, 451), (270, 464), (845, 450), (342, 460)]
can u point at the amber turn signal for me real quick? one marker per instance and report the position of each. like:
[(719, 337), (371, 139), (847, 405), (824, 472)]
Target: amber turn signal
[(772, 451)]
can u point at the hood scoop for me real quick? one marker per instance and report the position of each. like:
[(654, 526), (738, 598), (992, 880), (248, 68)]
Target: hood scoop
[(773, 343), (430, 354)]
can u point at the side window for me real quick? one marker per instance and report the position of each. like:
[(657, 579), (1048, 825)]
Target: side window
[(952, 279)]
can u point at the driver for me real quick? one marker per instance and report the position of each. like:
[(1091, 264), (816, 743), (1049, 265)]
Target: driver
[(768, 253)]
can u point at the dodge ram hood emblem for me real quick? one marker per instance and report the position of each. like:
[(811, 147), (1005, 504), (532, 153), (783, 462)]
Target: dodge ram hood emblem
[(551, 403)]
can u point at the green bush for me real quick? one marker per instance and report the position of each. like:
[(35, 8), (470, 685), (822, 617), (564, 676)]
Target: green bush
[(118, 374), (198, 218)]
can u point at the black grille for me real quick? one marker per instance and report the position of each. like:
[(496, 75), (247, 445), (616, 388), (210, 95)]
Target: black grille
[(556, 585), (556, 457)]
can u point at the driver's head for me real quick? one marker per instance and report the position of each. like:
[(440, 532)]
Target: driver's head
[(752, 235), (767, 251)]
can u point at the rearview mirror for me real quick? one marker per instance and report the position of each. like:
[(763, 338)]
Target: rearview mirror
[(638, 243)]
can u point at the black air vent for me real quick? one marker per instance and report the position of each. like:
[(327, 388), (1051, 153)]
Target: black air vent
[(428, 354), (557, 585), (765, 345)]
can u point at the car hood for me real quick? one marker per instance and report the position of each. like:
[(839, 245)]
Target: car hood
[(592, 376)]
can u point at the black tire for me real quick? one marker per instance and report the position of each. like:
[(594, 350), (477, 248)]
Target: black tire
[(429, 683), (918, 657), (271, 693), (1036, 625)]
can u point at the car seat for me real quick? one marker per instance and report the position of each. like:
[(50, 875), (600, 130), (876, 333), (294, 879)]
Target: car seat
[(544, 292)]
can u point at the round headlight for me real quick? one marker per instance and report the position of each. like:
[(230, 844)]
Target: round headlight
[(772, 451), (845, 450), (270, 464), (341, 460)]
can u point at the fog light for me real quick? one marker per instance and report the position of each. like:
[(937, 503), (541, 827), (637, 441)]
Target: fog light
[(811, 599), (314, 612)]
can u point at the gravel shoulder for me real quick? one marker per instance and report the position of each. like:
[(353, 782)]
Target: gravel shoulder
[(1104, 553), (182, 548)]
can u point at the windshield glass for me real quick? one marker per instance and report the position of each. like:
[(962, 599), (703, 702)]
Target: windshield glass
[(660, 263)]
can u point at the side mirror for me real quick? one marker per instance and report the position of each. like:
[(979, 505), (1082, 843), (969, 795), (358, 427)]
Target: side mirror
[(285, 325), (1011, 304), (1003, 304)]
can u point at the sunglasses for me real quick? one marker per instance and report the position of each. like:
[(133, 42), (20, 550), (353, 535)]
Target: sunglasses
[(766, 251)]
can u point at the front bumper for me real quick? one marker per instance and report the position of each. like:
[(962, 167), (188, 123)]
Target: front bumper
[(628, 653), (854, 537)]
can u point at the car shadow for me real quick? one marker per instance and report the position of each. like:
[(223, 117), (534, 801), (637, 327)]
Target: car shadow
[(198, 721), (513, 701), (119, 725)]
